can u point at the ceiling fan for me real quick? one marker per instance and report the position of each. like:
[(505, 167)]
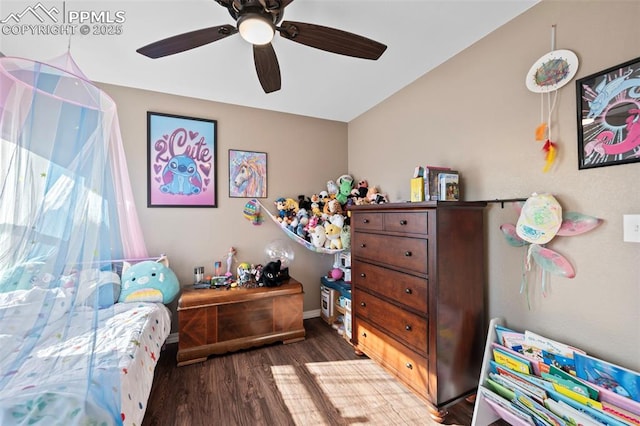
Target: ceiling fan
[(257, 22)]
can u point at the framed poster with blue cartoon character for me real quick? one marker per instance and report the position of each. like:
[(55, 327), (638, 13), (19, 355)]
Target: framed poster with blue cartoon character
[(181, 161)]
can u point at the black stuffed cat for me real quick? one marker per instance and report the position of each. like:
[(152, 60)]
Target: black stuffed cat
[(271, 274)]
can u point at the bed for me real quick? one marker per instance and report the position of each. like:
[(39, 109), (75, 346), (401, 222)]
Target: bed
[(76, 362)]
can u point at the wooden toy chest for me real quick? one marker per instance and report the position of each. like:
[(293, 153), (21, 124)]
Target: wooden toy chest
[(216, 321)]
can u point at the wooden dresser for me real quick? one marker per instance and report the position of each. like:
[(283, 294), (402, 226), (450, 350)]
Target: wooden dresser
[(215, 321), (418, 303)]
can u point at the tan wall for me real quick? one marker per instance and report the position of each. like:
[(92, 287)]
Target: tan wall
[(302, 154), (475, 114)]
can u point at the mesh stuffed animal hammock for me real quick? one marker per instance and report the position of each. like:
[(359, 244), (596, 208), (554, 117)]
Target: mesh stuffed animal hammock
[(295, 237)]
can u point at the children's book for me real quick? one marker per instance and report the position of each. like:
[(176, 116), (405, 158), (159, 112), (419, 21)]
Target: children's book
[(569, 414), (510, 338), (513, 377), (534, 380), (533, 365), (509, 360), (592, 412), (541, 343), (505, 408), (617, 400), (578, 385), (501, 390), (538, 411), (578, 397), (621, 413), (564, 363), (513, 386), (618, 379)]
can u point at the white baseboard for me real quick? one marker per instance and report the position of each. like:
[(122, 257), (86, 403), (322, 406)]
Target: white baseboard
[(311, 314), (173, 337)]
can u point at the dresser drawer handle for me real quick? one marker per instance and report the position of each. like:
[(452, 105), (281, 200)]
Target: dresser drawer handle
[(365, 221), (363, 275), (408, 290), (363, 304), (407, 253), (407, 327), (364, 334), (409, 366), (363, 245), (403, 222)]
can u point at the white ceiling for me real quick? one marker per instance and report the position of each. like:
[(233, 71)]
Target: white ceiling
[(420, 35)]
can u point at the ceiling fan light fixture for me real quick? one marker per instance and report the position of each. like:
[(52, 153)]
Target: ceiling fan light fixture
[(256, 28)]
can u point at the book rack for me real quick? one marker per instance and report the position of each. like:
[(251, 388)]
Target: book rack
[(484, 413)]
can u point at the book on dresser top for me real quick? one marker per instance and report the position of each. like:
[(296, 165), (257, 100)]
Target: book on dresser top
[(431, 182), (417, 189), (449, 186)]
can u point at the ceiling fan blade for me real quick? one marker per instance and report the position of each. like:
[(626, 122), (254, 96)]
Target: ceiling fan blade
[(285, 3), (186, 41), (275, 4), (267, 67), (332, 40)]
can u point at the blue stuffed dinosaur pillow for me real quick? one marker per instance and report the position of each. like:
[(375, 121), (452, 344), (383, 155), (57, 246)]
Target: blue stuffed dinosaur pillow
[(149, 281)]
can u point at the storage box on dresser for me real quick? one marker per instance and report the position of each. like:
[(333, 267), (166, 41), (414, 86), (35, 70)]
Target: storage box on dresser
[(215, 321), (418, 294)]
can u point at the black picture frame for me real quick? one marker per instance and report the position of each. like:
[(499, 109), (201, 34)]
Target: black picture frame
[(608, 107), (181, 161)]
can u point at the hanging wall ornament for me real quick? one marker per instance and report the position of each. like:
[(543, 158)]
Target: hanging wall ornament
[(541, 219), (548, 74)]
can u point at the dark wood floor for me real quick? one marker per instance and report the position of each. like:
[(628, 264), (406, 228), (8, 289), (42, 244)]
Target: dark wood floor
[(239, 388)]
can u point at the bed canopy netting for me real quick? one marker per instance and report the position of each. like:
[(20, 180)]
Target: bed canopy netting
[(66, 209)]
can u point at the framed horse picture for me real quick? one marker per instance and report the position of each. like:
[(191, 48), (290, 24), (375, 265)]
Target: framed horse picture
[(247, 174), (181, 161)]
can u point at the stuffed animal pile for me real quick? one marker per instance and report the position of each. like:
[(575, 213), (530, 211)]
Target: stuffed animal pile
[(321, 219)]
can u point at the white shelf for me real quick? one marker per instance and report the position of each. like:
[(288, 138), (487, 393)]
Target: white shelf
[(483, 414)]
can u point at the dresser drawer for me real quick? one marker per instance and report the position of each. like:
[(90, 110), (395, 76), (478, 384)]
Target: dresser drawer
[(411, 223), (411, 368), (408, 290), (366, 221), (402, 252), (405, 326)]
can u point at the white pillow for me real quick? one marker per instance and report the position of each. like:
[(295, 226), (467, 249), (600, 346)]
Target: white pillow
[(94, 283)]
